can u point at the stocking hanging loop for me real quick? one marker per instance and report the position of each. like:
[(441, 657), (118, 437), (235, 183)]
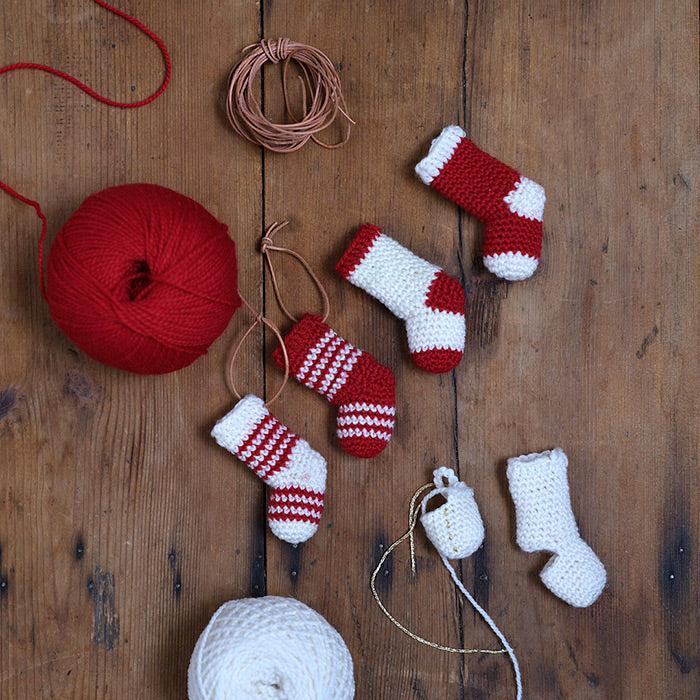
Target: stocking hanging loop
[(266, 246), (413, 516), (259, 318)]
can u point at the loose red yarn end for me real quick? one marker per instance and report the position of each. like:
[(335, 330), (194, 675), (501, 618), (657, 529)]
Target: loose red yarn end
[(44, 226), (94, 95)]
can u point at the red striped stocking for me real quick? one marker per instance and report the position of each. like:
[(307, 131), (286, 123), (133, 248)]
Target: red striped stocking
[(351, 379), (509, 204), (295, 473), (429, 301)]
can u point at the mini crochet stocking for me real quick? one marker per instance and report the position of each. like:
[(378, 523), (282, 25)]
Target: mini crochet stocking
[(509, 204), (351, 379), (545, 522), (455, 528), (295, 473), (418, 292)]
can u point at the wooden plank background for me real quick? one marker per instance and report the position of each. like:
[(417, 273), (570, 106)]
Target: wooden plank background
[(123, 526)]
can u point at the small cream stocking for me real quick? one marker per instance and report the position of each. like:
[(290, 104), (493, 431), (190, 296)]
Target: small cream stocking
[(545, 522)]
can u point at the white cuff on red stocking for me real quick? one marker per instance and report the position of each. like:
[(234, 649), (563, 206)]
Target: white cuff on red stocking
[(510, 205)]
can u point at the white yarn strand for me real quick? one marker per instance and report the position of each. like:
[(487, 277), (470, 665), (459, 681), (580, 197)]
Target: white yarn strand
[(489, 621), (414, 510), (456, 530)]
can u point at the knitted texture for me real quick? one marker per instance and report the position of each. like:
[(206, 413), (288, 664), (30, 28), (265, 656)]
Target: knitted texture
[(510, 205), (351, 379), (269, 648), (418, 292), (142, 278), (545, 522), (455, 528), (295, 473)]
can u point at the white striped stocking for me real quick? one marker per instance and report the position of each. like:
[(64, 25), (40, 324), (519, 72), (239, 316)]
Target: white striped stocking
[(295, 473)]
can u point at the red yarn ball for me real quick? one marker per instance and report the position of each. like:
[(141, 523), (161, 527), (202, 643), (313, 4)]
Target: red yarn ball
[(142, 278)]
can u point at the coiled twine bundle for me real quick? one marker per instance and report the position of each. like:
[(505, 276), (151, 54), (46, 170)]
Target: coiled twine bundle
[(322, 99), (269, 648), (142, 278)]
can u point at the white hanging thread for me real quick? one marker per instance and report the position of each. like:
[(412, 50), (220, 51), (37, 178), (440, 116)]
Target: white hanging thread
[(270, 648), (489, 621), (457, 531)]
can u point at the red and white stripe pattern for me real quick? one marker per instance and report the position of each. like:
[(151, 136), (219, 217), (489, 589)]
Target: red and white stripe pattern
[(350, 378), (418, 292), (295, 473), (365, 427), (510, 205)]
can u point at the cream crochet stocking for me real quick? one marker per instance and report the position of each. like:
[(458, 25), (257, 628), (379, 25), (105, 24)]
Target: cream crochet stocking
[(545, 522)]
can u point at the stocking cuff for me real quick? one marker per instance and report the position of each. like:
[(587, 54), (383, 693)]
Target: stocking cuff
[(304, 336), (441, 150), (532, 468), (362, 242), (233, 429)]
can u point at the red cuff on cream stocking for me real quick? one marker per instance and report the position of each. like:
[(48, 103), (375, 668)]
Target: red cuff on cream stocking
[(429, 301), (509, 204)]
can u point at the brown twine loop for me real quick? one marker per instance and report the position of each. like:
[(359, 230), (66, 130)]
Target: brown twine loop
[(259, 318), (322, 96), (266, 245)]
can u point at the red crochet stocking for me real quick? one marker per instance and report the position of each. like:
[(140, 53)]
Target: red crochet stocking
[(509, 204), (351, 379)]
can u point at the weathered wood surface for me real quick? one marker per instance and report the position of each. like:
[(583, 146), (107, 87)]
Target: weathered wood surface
[(123, 525)]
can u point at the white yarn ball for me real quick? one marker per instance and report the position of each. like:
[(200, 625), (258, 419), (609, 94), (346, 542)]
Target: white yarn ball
[(270, 648)]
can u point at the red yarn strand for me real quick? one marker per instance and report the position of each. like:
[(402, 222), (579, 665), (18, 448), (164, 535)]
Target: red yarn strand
[(95, 95), (44, 226)]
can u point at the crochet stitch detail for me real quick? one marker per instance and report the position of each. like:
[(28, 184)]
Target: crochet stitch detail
[(269, 648), (441, 150), (545, 522), (510, 205), (295, 473), (429, 301), (350, 378), (455, 528)]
